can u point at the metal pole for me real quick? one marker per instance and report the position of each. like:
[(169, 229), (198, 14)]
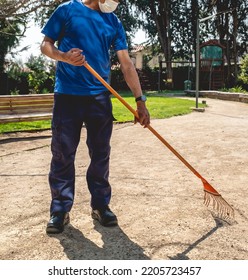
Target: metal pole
[(197, 63), (159, 73)]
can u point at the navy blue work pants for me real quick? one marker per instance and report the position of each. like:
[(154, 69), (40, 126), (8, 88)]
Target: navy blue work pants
[(69, 114)]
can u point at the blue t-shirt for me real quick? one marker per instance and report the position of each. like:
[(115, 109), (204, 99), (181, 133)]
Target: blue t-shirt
[(74, 25)]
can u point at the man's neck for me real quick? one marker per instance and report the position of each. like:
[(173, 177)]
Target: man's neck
[(92, 4)]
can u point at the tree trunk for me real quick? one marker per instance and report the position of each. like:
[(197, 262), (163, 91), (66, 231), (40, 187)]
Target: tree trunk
[(166, 6), (163, 26), (235, 31)]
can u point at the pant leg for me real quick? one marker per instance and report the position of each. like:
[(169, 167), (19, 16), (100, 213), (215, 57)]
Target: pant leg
[(66, 129), (99, 126)]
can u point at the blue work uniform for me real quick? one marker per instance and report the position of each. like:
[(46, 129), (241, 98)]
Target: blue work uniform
[(81, 99)]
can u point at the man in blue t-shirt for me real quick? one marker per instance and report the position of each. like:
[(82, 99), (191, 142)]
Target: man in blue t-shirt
[(80, 31)]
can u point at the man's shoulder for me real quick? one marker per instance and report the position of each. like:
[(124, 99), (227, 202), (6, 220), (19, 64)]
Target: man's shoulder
[(70, 3), (113, 18)]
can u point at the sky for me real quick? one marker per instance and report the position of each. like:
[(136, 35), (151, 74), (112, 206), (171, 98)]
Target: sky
[(33, 38)]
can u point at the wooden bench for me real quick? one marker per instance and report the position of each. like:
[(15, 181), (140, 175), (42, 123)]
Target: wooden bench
[(19, 108)]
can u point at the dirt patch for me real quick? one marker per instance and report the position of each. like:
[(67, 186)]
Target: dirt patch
[(158, 201)]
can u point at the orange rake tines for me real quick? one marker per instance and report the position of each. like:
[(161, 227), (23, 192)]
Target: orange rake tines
[(217, 205)]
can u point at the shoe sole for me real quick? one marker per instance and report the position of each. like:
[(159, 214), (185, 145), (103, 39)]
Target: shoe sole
[(54, 230), (109, 224)]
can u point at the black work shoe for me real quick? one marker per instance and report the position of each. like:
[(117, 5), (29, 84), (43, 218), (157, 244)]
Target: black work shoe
[(57, 222), (105, 216)]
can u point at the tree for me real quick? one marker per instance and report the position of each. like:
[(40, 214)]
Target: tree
[(41, 70), (14, 16), (231, 29), (16, 77), (243, 76), (156, 17), (17, 8), (10, 34), (129, 19), (172, 24)]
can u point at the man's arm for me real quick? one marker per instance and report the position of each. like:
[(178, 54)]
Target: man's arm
[(73, 56), (132, 80)]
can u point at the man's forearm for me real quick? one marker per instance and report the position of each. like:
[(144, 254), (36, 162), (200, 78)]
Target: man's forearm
[(51, 51), (132, 80)]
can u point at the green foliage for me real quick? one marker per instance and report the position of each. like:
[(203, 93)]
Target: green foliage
[(15, 70), (243, 76), (40, 71), (15, 92), (10, 31), (237, 89)]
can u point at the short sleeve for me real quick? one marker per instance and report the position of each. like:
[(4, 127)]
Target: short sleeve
[(120, 42), (56, 23)]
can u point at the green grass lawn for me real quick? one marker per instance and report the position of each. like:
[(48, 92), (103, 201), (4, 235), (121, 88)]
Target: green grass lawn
[(159, 105)]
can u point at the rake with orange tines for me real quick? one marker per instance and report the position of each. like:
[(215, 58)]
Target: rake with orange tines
[(217, 205)]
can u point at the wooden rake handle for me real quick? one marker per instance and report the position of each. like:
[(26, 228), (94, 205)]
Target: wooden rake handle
[(131, 109)]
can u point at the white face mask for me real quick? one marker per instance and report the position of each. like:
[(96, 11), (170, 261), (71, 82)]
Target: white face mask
[(108, 6)]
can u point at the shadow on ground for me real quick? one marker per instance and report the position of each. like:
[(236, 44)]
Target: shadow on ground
[(115, 246)]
